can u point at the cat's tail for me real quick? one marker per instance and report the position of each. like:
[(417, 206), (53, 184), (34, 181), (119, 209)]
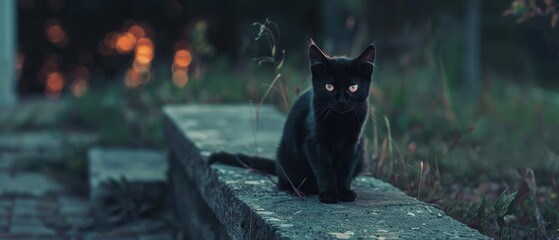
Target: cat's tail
[(261, 164)]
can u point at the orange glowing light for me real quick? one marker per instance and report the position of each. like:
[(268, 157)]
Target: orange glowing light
[(182, 58), (125, 43), (55, 82), (144, 51), (180, 78), (79, 87), (137, 31), (56, 34), (132, 78)]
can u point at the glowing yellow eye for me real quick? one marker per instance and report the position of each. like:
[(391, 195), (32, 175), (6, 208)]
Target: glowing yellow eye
[(329, 87), (353, 88)]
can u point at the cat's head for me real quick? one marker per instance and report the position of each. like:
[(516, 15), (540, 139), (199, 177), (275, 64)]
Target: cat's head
[(341, 82)]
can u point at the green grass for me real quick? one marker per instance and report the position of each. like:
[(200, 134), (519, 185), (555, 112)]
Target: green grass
[(472, 150)]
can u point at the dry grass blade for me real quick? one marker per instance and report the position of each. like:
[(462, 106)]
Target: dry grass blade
[(390, 147), (380, 164), (530, 179), (420, 179), (269, 89), (296, 190)]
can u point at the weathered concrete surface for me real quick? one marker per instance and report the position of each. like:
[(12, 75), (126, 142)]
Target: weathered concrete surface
[(141, 166), (27, 183), (197, 219), (249, 206), (63, 217)]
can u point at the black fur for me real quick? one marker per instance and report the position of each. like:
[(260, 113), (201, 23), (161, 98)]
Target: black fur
[(321, 149)]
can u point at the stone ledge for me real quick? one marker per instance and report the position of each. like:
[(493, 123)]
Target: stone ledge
[(248, 206), (139, 166)]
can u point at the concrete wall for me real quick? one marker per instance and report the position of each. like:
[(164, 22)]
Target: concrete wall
[(7, 52)]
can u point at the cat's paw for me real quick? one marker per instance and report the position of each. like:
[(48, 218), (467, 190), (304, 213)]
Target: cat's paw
[(347, 195), (328, 197)]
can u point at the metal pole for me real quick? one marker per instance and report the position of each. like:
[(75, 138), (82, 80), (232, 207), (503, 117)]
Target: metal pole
[(7, 52)]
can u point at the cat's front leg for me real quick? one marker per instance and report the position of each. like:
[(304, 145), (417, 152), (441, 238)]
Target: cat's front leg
[(346, 169), (346, 194), (320, 161)]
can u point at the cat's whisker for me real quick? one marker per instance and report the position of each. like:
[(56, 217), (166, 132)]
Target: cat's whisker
[(357, 126), (320, 111)]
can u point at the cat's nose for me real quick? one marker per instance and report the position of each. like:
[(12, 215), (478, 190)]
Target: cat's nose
[(342, 104)]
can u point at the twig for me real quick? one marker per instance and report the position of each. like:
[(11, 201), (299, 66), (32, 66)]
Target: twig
[(298, 193)]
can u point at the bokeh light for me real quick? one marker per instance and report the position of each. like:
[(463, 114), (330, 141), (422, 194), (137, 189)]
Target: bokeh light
[(182, 58), (137, 31), (144, 51), (79, 87), (181, 62), (55, 33), (180, 78), (54, 84), (125, 43), (132, 78), (81, 78)]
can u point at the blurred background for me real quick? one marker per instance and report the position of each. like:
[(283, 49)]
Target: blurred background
[(465, 101)]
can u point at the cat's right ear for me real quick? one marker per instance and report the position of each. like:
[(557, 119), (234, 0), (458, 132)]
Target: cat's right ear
[(316, 56), (318, 61)]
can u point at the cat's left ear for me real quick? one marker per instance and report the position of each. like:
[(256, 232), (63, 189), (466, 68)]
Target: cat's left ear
[(368, 56), (366, 61)]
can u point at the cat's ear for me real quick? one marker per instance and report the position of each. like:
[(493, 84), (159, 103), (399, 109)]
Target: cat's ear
[(366, 61), (316, 56), (368, 56), (318, 61)]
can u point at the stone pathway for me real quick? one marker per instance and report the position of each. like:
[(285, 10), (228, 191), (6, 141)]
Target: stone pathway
[(61, 218), (35, 206)]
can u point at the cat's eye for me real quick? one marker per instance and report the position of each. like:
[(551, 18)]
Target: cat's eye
[(329, 87), (353, 88)]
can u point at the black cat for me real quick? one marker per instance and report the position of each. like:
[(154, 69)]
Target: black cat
[(321, 149)]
